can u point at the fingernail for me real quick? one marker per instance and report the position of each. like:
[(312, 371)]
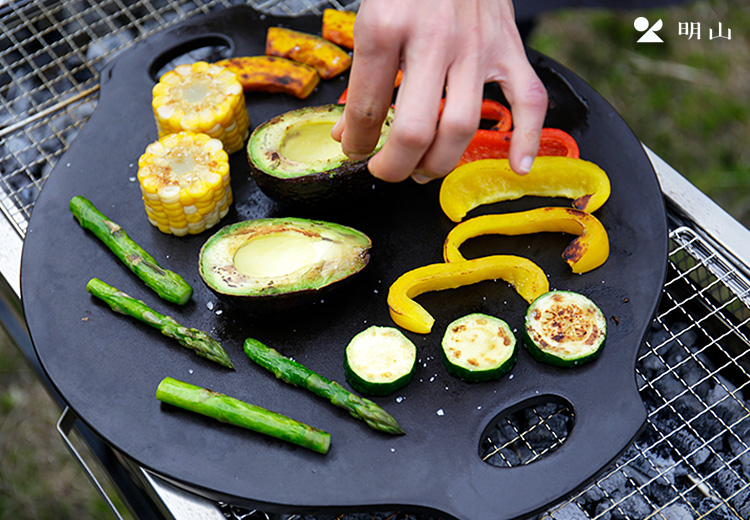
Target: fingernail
[(356, 156), (337, 125), (420, 179), (526, 164)]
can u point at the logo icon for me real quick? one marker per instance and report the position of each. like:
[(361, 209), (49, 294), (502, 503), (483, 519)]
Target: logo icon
[(642, 24)]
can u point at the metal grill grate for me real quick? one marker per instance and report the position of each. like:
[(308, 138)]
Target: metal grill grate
[(51, 54), (693, 458)]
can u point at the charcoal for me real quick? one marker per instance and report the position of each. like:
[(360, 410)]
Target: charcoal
[(727, 483), (668, 386), (102, 50), (603, 510), (723, 402), (650, 363), (630, 505), (710, 509), (651, 468), (690, 447), (660, 494), (616, 481), (593, 494), (569, 511), (677, 512)]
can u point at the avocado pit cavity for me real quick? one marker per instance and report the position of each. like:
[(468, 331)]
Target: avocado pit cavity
[(311, 143), (279, 256), (294, 159)]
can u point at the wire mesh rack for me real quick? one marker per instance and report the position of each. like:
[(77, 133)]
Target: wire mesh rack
[(692, 459)]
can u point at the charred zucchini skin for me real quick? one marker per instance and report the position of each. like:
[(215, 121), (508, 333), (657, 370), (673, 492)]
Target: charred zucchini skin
[(544, 356), (365, 386), (370, 388), (479, 374)]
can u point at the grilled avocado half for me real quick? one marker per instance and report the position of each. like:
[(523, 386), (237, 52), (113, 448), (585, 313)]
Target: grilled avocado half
[(275, 257), (294, 159)]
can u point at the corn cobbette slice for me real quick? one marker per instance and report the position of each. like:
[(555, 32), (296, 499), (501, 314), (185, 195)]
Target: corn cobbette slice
[(184, 179), (202, 98)]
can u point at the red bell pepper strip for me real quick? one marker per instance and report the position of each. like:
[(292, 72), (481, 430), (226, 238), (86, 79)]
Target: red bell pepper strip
[(492, 111), (490, 144)]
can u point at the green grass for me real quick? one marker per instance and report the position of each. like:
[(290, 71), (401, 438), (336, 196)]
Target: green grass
[(39, 479), (688, 100)]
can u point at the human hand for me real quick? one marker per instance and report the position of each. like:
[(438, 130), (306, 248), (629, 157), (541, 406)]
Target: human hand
[(457, 44)]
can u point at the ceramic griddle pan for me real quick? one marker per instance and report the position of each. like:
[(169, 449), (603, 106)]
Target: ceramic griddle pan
[(107, 366)]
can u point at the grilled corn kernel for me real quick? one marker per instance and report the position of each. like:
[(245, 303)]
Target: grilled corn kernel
[(202, 98), (184, 179)]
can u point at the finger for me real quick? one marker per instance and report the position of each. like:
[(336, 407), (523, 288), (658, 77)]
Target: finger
[(459, 120), (374, 68), (417, 107), (528, 102)]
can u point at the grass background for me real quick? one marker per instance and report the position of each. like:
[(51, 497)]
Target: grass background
[(687, 99)]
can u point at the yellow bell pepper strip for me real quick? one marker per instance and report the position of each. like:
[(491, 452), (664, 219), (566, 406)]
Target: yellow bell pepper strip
[(525, 276), (328, 59), (587, 252), (491, 180)]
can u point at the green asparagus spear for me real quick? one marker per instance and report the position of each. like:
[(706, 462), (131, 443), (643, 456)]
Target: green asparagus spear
[(194, 339), (168, 285), (294, 373), (234, 411)]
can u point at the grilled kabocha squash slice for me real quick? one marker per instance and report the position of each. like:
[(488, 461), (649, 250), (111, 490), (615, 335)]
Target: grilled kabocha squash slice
[(328, 59), (338, 27), (273, 74)]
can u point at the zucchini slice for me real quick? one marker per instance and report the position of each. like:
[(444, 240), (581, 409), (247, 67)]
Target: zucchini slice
[(379, 361), (478, 347), (564, 328)]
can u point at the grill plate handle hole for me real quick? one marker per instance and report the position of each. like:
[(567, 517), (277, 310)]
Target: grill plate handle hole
[(527, 432), (208, 48)]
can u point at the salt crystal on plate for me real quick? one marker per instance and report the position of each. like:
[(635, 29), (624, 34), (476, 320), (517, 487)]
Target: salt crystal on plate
[(440, 412)]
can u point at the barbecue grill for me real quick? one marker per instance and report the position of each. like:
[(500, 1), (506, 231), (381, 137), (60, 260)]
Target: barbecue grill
[(692, 460)]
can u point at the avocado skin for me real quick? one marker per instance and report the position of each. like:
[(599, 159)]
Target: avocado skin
[(220, 248), (339, 187), (336, 187)]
